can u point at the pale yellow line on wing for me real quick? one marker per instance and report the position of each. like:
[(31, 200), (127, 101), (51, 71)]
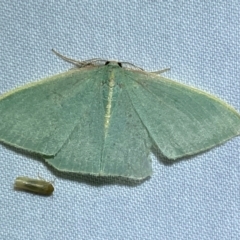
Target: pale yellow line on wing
[(109, 104)]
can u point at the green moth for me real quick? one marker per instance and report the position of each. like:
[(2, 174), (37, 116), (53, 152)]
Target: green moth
[(39, 186), (103, 117)]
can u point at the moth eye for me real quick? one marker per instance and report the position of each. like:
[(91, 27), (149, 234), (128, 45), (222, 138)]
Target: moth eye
[(119, 64), (107, 62)]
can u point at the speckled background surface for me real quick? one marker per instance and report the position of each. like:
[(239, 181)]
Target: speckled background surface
[(193, 199)]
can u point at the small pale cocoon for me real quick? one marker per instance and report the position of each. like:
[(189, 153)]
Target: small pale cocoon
[(38, 186)]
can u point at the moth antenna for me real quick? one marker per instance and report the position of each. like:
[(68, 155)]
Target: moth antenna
[(162, 71)]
